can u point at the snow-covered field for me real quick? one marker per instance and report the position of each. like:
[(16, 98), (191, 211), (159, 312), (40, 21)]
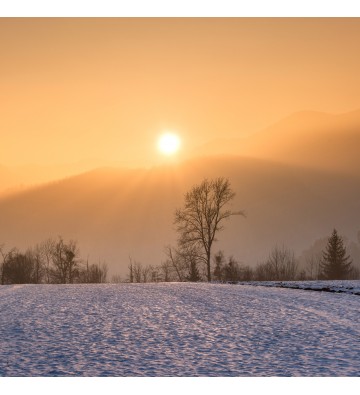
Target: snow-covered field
[(177, 329)]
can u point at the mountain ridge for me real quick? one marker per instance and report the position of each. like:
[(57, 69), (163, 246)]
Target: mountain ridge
[(307, 138)]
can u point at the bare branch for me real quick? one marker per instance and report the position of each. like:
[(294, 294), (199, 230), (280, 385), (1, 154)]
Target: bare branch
[(203, 214)]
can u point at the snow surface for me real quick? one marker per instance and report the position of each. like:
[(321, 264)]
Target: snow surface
[(177, 329), (336, 286)]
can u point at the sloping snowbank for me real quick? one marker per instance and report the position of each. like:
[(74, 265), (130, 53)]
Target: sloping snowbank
[(336, 286)]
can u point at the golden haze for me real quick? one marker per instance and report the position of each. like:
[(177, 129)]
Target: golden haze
[(271, 103), (101, 89)]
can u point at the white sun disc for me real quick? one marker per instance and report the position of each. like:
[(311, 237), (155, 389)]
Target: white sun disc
[(168, 143)]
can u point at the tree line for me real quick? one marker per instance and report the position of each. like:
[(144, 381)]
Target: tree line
[(201, 218), (49, 262), (198, 222), (281, 265)]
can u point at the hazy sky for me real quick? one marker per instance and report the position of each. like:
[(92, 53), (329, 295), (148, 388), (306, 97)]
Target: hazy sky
[(74, 89)]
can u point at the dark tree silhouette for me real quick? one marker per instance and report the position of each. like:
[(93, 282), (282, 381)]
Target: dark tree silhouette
[(335, 263), (229, 270), (18, 269), (52, 261), (177, 263), (202, 216), (4, 256), (46, 250), (232, 270), (93, 274), (65, 261), (165, 271), (281, 265), (136, 270), (194, 274), (7, 266), (219, 261), (131, 272)]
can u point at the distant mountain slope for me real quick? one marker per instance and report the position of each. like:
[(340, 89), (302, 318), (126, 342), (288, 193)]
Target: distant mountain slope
[(114, 213), (308, 138), (17, 178)]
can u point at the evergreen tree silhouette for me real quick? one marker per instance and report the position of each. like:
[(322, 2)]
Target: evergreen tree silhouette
[(335, 264)]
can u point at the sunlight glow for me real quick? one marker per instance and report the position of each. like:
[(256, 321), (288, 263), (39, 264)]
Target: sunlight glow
[(168, 143)]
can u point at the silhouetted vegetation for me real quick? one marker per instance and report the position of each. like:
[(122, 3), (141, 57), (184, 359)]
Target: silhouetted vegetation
[(19, 269), (57, 261), (335, 263), (229, 270), (199, 221), (183, 262), (51, 262), (281, 265), (94, 273)]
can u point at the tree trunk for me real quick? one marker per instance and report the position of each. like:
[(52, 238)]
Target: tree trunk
[(208, 266)]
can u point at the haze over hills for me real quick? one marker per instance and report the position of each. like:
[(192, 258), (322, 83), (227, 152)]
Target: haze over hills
[(18, 178), (297, 180), (308, 138), (116, 213)]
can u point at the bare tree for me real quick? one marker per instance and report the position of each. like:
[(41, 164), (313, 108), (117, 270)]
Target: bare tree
[(188, 259), (219, 261), (5, 256), (3, 263), (232, 270), (145, 272), (94, 274), (137, 271), (281, 265), (35, 255), (51, 262), (165, 271), (202, 216), (131, 272), (176, 262), (116, 279), (65, 261), (155, 275), (47, 250), (23, 268), (313, 266)]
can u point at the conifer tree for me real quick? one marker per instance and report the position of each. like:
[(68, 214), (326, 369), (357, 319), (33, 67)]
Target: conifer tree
[(335, 264)]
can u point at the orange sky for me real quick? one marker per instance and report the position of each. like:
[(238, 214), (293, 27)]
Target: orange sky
[(73, 89)]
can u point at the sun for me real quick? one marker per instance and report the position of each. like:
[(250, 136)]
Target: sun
[(168, 143)]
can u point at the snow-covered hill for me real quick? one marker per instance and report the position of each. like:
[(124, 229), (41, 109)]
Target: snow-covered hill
[(177, 329)]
